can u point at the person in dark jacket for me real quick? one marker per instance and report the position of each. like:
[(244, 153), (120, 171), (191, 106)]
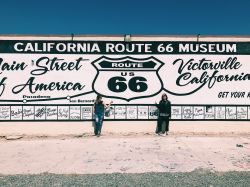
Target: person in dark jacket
[(99, 109), (164, 115)]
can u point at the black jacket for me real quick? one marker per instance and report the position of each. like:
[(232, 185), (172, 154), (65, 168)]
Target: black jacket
[(164, 107)]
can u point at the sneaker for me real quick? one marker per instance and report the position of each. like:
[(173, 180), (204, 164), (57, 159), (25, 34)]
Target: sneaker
[(162, 134)]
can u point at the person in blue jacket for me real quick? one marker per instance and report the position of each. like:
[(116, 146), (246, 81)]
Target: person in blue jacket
[(99, 109), (164, 108)]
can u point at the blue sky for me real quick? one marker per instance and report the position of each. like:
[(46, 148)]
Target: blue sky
[(187, 17)]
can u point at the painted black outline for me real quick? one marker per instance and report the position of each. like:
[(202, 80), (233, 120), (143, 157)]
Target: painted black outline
[(50, 99), (81, 120), (122, 58)]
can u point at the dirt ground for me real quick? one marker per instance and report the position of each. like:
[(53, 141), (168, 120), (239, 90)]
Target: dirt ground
[(75, 129), (124, 154), (127, 154)]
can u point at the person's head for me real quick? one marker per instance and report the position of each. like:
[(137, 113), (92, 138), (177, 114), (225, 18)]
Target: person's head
[(164, 97), (98, 98)]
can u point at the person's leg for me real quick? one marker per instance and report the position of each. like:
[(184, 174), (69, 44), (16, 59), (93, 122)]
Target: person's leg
[(100, 124), (97, 122), (158, 127), (163, 126), (167, 125)]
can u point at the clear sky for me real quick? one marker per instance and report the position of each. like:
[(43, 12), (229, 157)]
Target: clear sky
[(210, 17)]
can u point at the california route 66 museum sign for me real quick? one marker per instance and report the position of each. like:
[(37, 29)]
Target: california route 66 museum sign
[(59, 80)]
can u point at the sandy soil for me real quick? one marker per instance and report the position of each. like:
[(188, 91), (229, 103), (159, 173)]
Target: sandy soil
[(78, 129), (91, 155)]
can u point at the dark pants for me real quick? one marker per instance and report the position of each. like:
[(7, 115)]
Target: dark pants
[(98, 123), (162, 124)]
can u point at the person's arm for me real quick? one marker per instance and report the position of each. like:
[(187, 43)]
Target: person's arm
[(94, 107), (170, 110), (157, 104)]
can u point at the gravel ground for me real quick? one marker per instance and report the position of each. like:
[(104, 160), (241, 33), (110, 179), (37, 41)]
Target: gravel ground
[(195, 178)]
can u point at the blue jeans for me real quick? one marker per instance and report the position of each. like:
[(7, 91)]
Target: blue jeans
[(98, 123)]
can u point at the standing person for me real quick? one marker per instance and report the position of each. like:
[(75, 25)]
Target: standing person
[(99, 109), (164, 108)]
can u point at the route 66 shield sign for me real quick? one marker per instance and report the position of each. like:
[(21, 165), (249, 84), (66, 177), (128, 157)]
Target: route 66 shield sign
[(127, 78)]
